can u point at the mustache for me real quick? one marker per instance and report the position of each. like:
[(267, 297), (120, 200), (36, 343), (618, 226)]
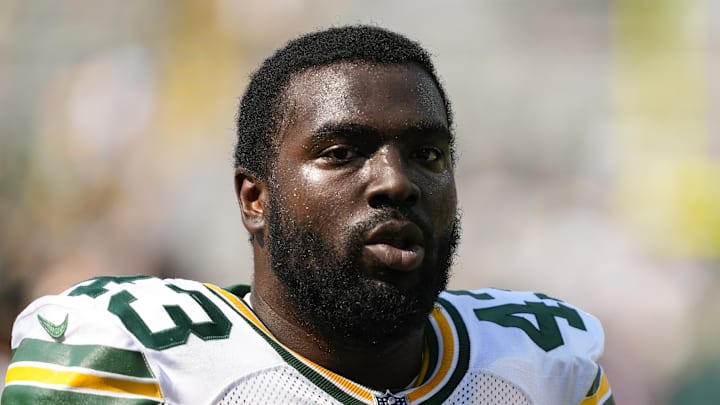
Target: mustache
[(378, 217)]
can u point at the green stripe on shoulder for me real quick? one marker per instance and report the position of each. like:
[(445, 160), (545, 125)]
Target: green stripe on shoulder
[(96, 357), (609, 401), (595, 384), (23, 394), (238, 290)]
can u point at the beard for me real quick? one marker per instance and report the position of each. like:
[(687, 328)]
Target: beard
[(331, 296)]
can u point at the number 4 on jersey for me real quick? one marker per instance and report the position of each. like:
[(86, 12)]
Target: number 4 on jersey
[(547, 334)]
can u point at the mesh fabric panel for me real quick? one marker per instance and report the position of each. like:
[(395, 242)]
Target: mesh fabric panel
[(285, 385), (280, 385), (481, 388)]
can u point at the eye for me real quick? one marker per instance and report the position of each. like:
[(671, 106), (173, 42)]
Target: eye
[(428, 154), (339, 154)]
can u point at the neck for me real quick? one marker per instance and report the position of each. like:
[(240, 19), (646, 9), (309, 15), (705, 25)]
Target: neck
[(391, 365)]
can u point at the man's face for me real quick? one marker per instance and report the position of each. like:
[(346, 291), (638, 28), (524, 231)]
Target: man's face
[(362, 214)]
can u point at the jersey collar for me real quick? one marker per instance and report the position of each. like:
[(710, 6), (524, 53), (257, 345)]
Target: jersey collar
[(445, 359)]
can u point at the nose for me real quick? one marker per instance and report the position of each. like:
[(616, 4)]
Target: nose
[(390, 182)]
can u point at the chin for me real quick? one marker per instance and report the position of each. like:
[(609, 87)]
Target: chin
[(398, 279)]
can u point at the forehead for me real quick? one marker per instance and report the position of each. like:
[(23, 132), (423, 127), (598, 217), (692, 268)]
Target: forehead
[(387, 97)]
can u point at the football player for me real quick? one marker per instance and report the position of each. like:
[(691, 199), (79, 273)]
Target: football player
[(344, 174)]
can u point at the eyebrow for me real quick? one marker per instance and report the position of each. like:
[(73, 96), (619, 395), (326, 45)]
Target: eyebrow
[(332, 129)]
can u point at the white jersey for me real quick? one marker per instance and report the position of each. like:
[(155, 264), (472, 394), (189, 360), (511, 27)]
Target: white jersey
[(143, 340)]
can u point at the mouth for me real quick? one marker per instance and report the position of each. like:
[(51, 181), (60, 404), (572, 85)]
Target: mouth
[(398, 245)]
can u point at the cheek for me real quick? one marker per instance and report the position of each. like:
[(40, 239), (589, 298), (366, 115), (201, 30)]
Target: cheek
[(441, 197), (439, 187), (319, 195), (327, 185), (312, 175)]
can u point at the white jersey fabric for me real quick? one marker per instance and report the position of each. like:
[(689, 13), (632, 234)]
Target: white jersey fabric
[(143, 340)]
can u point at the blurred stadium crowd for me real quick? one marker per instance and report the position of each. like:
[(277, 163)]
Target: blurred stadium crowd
[(589, 139)]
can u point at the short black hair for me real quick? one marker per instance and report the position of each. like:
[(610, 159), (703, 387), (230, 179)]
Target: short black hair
[(260, 112)]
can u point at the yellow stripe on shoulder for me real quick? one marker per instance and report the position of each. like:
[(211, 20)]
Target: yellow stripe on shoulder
[(602, 394), (20, 374)]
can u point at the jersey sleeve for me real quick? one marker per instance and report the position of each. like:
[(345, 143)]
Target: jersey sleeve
[(548, 347), (67, 349), (599, 392)]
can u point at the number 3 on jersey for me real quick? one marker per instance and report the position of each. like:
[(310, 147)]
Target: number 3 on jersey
[(547, 334), (217, 328)]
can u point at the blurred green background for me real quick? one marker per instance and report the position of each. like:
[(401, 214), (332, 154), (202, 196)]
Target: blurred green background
[(589, 138)]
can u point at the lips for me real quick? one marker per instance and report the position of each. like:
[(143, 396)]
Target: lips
[(398, 245)]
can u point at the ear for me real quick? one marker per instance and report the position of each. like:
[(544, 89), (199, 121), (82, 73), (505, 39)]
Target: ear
[(252, 195)]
